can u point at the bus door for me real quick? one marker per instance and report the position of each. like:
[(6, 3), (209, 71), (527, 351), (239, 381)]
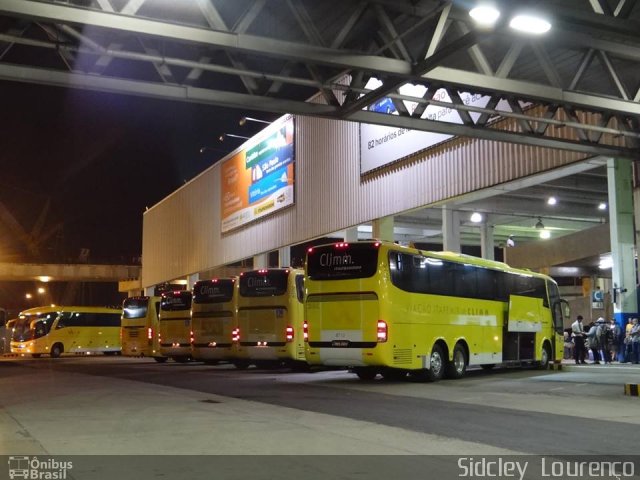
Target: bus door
[(524, 321)]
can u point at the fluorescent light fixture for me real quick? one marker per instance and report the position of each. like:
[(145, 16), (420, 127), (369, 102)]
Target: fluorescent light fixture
[(530, 24), (602, 206), (485, 15), (44, 278), (552, 201), (545, 234), (606, 262), (476, 217)]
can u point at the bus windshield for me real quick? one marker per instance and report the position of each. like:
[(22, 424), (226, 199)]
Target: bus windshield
[(32, 326), (264, 283), (342, 261), (176, 301), (135, 307), (213, 291)]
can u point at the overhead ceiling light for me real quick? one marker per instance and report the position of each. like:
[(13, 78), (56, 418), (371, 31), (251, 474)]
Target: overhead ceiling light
[(476, 217), (539, 225), (545, 234), (606, 262), (485, 15), (530, 24), (602, 206), (552, 201)]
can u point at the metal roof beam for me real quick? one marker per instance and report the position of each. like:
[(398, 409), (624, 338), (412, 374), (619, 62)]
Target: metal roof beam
[(225, 40), (474, 82), (245, 101)]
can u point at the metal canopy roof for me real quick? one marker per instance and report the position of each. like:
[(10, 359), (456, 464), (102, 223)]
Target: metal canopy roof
[(583, 76), (273, 55)]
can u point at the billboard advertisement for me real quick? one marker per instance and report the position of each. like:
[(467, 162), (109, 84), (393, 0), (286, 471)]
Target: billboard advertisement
[(381, 145), (259, 179)]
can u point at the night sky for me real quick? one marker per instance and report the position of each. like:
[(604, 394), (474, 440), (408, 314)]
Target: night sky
[(99, 159)]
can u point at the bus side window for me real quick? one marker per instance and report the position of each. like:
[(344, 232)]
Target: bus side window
[(300, 287), (40, 330), (63, 321)]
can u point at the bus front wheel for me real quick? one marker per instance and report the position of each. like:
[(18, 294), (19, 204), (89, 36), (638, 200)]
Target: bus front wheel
[(545, 357), (56, 350), (457, 367)]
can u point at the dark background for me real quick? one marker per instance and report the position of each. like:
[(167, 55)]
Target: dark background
[(99, 160)]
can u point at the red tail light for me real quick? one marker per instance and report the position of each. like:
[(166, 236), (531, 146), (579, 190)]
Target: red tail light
[(289, 334), (305, 331), (235, 335), (192, 338), (150, 333), (382, 331)]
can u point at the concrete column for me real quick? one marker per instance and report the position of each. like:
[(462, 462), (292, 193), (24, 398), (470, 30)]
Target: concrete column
[(383, 229), (619, 175), (486, 240), (284, 257), (450, 229), (351, 234), (192, 279), (148, 291), (261, 261)]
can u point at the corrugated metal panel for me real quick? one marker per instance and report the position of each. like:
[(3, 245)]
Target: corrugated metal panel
[(181, 235)]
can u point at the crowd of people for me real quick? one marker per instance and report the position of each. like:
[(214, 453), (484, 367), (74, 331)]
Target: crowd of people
[(602, 341)]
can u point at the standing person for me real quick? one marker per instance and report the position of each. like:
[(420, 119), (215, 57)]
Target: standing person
[(605, 338), (635, 341), (578, 339), (616, 340), (594, 341), (628, 347)]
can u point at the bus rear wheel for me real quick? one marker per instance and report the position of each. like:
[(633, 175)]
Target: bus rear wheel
[(393, 374), (56, 350), (457, 367), (365, 373), (436, 367)]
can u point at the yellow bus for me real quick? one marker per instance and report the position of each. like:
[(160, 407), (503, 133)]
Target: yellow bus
[(57, 330), (379, 308), (270, 317), (175, 325), (139, 333), (213, 314)]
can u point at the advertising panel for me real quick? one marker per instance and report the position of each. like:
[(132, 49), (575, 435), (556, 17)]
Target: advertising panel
[(381, 145), (259, 179)]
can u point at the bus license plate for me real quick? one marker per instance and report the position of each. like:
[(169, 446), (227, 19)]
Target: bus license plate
[(340, 343)]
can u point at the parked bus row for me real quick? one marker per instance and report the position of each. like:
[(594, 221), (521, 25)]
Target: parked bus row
[(253, 319), (372, 307)]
